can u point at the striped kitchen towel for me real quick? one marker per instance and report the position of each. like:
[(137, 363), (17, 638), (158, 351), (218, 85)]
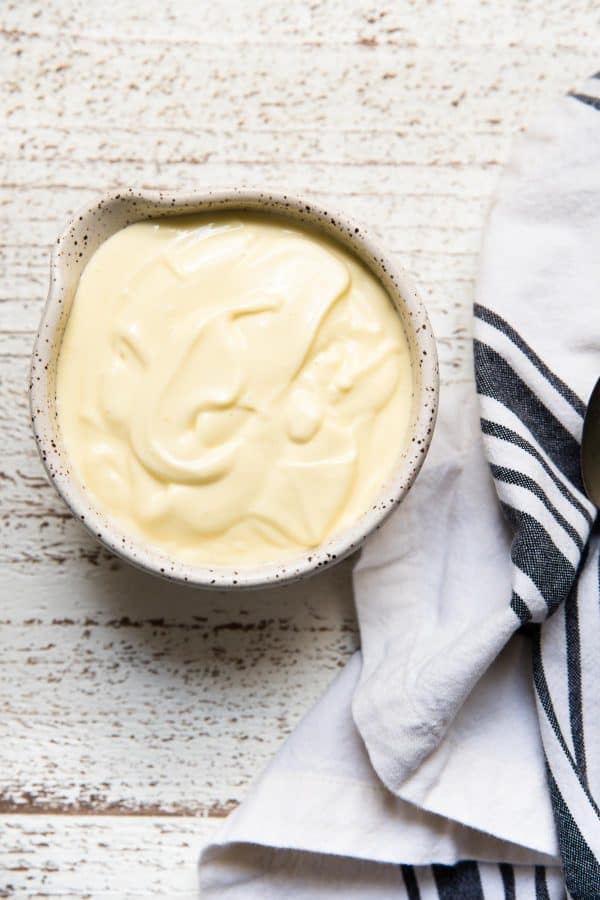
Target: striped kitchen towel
[(421, 774), (537, 355), (537, 358)]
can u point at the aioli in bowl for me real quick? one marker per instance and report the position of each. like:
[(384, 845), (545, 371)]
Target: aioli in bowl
[(84, 234)]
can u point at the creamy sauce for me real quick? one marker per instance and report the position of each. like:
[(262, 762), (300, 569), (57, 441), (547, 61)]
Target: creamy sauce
[(231, 389)]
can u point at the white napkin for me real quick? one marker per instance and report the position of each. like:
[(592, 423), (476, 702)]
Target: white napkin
[(453, 771)]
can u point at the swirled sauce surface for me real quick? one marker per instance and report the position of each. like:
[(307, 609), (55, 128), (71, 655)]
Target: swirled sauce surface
[(231, 389)]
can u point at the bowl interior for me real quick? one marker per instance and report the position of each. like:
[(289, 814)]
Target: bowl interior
[(84, 234)]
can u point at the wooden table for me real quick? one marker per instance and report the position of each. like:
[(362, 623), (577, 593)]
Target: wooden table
[(134, 715)]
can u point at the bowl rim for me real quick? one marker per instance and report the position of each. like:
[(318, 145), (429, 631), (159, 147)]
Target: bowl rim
[(339, 227)]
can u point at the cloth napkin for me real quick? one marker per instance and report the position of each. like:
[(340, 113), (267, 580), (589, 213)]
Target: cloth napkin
[(458, 755)]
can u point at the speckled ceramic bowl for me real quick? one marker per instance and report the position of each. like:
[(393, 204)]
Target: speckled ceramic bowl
[(93, 225)]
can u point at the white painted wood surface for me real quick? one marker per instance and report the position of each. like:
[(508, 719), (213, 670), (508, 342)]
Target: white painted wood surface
[(132, 715), (121, 858)]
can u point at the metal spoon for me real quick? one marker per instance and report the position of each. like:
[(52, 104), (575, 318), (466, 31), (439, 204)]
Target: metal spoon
[(590, 447)]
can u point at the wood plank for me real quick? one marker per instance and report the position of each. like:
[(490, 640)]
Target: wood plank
[(124, 693), (101, 857)]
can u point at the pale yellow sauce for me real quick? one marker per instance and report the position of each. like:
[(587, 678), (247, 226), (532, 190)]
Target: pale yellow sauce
[(231, 389)]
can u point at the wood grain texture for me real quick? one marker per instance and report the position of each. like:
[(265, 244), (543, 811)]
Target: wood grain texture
[(124, 693), (101, 857), (119, 696)]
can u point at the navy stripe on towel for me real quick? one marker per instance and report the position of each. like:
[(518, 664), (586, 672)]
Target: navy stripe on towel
[(574, 679), (508, 880), (532, 551), (410, 883), (497, 379), (520, 608), (512, 476), (462, 881), (541, 888), (492, 318), (507, 434), (585, 98), (582, 869)]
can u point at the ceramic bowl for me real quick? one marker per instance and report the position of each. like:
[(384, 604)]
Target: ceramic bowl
[(81, 237)]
